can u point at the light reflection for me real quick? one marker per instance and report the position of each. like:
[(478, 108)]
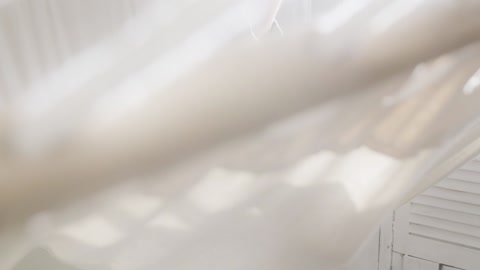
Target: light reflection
[(221, 189), (310, 169), (169, 221), (94, 230), (418, 80), (393, 13), (363, 172), (404, 126), (260, 15), (431, 108), (340, 15), (472, 84), (138, 205), (423, 77)]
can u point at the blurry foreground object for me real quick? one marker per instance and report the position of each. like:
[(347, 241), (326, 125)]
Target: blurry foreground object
[(254, 137)]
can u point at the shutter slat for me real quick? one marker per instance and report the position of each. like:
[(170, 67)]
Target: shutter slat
[(444, 222), (454, 216), (447, 225), (445, 236), (411, 263), (465, 175), (460, 185), (453, 195), (447, 204), (473, 165), (444, 267)]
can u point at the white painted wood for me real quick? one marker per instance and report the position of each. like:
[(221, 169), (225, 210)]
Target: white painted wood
[(439, 212), (465, 175), (473, 165), (385, 252), (401, 229), (442, 224), (411, 263), (444, 253), (460, 185), (447, 204), (445, 236), (397, 261), (444, 267), (453, 195)]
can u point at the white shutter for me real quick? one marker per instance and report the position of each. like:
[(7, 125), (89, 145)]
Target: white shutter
[(442, 225), (410, 263), (448, 268)]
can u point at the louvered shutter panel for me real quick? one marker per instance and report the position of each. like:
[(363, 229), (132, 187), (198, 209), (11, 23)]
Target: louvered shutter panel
[(442, 225)]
